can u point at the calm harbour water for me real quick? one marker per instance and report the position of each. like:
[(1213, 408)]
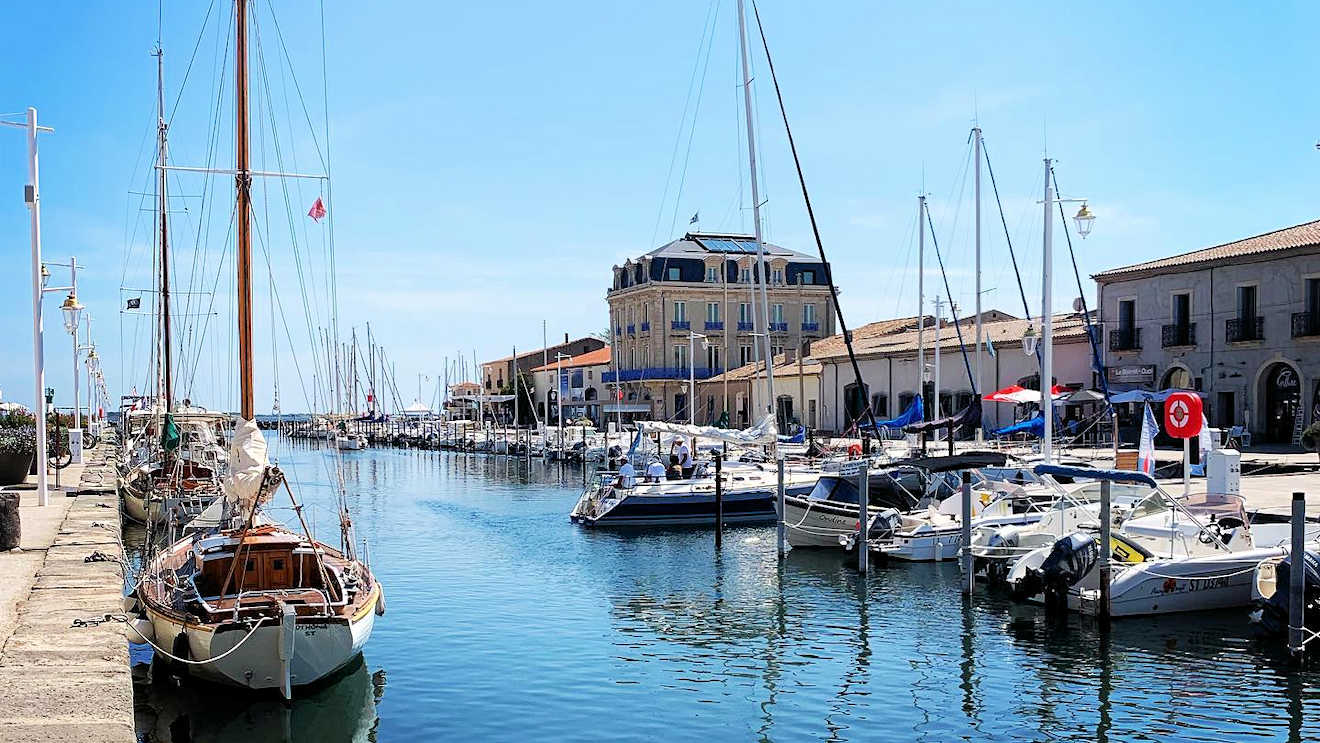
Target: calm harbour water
[(506, 622)]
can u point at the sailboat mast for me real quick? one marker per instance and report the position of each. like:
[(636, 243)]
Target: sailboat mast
[(921, 300), (163, 206), (976, 386), (761, 266), (243, 184)]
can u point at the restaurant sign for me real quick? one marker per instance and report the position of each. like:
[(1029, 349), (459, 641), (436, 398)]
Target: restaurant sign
[(1132, 374)]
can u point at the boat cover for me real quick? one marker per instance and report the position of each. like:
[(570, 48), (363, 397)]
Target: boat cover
[(969, 417), (1132, 476), (966, 461), (913, 414), (247, 468), (1034, 426), (764, 432)]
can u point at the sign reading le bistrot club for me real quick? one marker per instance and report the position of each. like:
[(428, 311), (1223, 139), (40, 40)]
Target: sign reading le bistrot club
[(1132, 374)]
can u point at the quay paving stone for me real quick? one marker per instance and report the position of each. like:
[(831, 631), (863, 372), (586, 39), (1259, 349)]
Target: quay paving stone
[(66, 683)]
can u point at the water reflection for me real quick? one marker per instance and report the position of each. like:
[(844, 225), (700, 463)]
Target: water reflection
[(343, 709)]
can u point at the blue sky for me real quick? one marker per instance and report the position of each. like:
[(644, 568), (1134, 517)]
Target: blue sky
[(491, 161)]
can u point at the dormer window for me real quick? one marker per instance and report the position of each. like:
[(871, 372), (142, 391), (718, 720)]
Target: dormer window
[(712, 274), (675, 274), (777, 276), (745, 275)]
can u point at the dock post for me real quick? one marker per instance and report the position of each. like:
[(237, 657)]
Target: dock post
[(1106, 523), (1297, 579), (863, 520), (719, 501), (968, 565), (782, 536)]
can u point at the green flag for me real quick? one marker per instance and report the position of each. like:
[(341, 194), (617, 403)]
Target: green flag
[(169, 437)]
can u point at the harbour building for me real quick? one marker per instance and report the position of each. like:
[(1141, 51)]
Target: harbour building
[(1239, 322), (689, 309)]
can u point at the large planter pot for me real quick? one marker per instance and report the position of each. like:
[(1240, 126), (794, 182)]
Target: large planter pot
[(14, 468)]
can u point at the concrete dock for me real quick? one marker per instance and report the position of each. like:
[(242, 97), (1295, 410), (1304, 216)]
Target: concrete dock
[(60, 682)]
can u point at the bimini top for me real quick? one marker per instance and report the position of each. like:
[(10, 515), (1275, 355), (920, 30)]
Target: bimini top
[(966, 461), (1132, 476)]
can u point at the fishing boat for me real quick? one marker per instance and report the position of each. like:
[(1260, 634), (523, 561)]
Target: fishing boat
[(820, 517), (251, 603), (1167, 555)]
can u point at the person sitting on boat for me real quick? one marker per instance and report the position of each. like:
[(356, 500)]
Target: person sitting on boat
[(627, 475), (675, 472), (655, 471)]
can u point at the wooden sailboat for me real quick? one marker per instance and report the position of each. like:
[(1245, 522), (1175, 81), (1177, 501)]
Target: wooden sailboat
[(178, 474), (250, 603)]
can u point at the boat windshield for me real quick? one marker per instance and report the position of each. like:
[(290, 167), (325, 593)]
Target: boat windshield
[(836, 489)]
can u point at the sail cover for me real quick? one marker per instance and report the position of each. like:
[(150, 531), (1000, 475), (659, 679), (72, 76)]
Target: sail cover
[(764, 432), (913, 414), (1034, 426), (969, 417), (247, 468)]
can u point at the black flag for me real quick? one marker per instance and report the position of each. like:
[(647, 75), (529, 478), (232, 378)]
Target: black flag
[(134, 303)]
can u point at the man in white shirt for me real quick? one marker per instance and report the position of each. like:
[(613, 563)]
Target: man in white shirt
[(655, 471), (627, 475), (685, 460)]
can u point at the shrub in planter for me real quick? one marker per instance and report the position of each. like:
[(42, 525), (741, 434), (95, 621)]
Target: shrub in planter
[(18, 445)]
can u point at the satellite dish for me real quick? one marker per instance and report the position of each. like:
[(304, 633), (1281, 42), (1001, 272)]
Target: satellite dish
[(1078, 305)]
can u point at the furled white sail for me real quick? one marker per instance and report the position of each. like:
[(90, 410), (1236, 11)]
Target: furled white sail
[(764, 432), (247, 468)]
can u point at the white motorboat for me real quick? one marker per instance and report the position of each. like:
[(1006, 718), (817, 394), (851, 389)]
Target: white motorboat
[(1167, 555), (350, 441)]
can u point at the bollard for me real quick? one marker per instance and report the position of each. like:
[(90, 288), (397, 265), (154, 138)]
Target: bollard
[(1297, 579), (719, 501), (783, 536), (1106, 570), (967, 565), (863, 520)]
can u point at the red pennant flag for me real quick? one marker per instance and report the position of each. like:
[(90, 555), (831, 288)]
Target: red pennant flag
[(317, 212)]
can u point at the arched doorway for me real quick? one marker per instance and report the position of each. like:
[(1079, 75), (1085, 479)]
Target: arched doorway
[(1281, 400), (854, 401), (1177, 378)]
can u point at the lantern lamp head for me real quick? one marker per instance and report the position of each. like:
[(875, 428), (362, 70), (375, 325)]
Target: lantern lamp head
[(1085, 220), (1029, 340), (71, 309)]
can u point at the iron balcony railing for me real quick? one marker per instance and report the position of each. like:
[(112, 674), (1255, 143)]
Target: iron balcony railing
[(714, 325), (632, 330), (680, 324), (1175, 334), (1239, 329), (1125, 339), (1305, 324), (810, 327), (646, 327), (658, 372), (618, 330), (778, 327), (745, 326)]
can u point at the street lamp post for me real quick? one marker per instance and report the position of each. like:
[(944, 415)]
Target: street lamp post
[(559, 395), (1085, 220), (72, 310), (32, 197), (692, 377)]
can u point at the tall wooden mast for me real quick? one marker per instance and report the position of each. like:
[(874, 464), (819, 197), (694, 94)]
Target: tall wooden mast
[(243, 184)]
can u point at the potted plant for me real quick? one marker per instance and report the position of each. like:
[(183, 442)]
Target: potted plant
[(18, 445), (1311, 437)]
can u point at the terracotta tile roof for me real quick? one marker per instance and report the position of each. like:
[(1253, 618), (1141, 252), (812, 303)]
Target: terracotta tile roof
[(1005, 333), (834, 344), (810, 366), (537, 352), (1297, 236), (590, 358)]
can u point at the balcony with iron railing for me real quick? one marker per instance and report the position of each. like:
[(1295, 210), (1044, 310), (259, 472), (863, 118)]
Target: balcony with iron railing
[(1125, 339), (778, 327), (658, 372), (810, 327), (1178, 334), (1305, 324), (714, 325), (680, 324), (1242, 329), (746, 327), (646, 327), (618, 330), (632, 330)]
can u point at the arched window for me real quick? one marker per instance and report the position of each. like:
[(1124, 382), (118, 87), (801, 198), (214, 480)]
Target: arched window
[(854, 402)]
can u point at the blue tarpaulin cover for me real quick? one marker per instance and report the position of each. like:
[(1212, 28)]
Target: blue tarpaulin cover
[(1034, 426), (914, 414)]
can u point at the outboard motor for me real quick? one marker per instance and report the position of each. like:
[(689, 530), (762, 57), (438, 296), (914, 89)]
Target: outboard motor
[(884, 524), (1272, 619), (996, 571), (1071, 558)]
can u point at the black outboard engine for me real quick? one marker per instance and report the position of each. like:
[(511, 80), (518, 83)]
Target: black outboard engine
[(1273, 616), (1071, 558), (996, 571), (884, 524), (614, 458)]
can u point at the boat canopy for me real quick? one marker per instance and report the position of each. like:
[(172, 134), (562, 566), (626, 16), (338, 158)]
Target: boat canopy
[(764, 432), (1132, 476), (1034, 426), (969, 417), (1146, 395), (966, 461)]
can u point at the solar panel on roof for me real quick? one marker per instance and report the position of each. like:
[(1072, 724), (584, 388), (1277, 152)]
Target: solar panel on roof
[(724, 245)]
